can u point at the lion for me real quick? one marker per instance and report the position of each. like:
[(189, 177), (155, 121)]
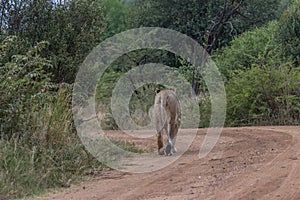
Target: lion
[(166, 113)]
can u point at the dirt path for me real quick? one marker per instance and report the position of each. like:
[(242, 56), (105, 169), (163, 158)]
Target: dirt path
[(246, 163)]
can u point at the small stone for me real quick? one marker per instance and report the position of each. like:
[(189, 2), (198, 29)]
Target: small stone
[(293, 158)]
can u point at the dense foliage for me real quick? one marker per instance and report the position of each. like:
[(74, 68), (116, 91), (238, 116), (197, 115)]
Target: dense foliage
[(200, 18), (72, 30), (22, 82), (244, 50), (262, 88), (38, 146), (289, 32), (265, 94)]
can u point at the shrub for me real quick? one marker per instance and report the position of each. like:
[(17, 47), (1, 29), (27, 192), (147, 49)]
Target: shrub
[(38, 146), (245, 49), (264, 95), (48, 155), (23, 82)]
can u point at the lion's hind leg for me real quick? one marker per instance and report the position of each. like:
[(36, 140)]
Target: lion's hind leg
[(170, 145), (160, 143), (159, 126), (173, 135)]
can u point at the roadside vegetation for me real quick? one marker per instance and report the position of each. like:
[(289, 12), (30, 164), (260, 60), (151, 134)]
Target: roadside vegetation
[(255, 44)]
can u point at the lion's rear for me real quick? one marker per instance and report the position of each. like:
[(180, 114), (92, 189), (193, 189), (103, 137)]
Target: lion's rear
[(166, 110)]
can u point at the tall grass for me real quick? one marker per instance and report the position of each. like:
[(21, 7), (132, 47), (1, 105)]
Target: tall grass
[(49, 153)]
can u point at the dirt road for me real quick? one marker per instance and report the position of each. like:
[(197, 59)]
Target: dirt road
[(246, 163)]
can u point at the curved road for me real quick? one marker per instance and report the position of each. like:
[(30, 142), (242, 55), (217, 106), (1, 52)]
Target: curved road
[(246, 163)]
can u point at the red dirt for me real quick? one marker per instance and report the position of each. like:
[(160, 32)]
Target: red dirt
[(247, 163)]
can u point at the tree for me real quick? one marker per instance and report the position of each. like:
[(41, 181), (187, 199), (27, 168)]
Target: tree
[(289, 32), (115, 13), (212, 23), (244, 50), (72, 29)]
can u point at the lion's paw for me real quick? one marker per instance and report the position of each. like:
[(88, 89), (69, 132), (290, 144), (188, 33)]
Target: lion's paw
[(168, 150), (161, 151), (174, 150)]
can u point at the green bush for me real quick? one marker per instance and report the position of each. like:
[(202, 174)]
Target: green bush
[(48, 155), (38, 146), (245, 49), (23, 82), (262, 88), (264, 95)]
